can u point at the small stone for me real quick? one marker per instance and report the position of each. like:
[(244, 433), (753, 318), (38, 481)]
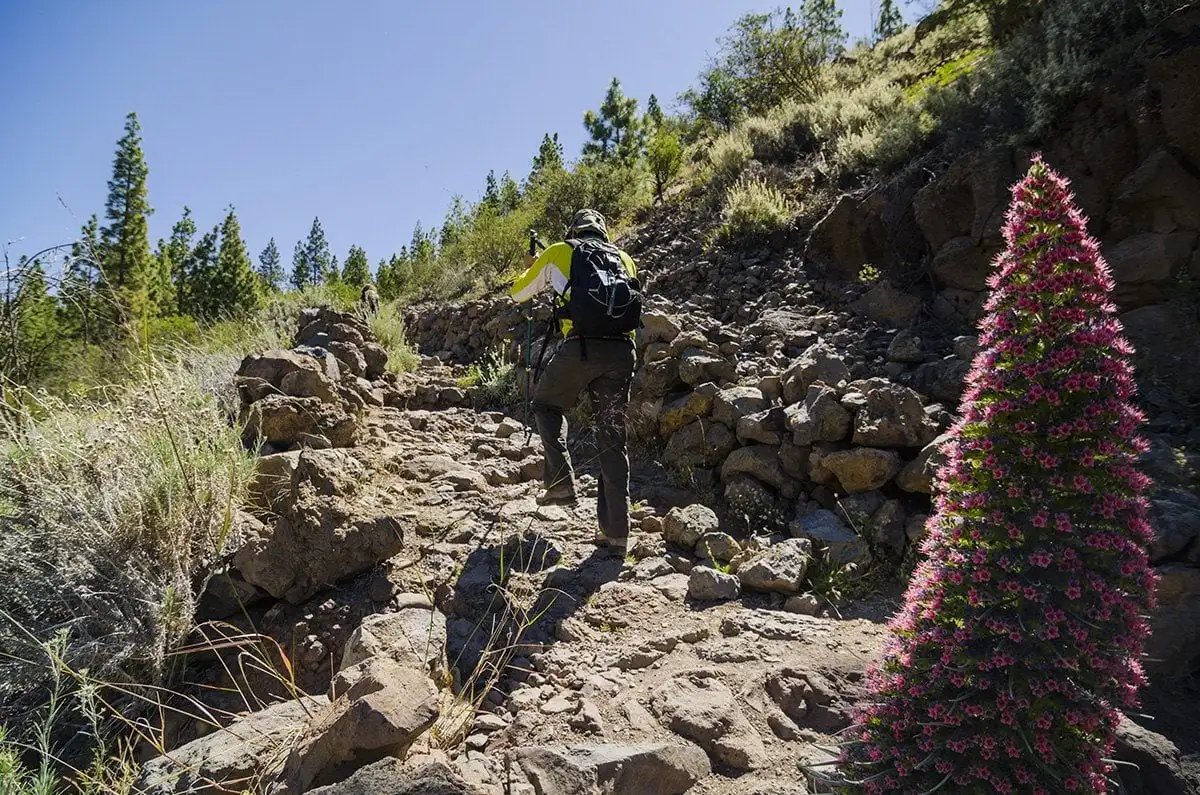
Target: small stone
[(557, 705), (803, 604), (710, 585), (719, 547)]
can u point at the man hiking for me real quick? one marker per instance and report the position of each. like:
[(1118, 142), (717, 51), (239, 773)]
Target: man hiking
[(598, 307), (370, 299)]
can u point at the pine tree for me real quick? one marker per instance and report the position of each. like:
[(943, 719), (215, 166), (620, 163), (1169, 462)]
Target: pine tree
[(199, 276), (616, 129), (491, 192), (889, 22), (317, 253), (357, 270), (237, 286), (85, 311), (162, 284), (29, 333), (126, 241), (302, 275), (822, 22), (334, 274), (509, 196), (548, 160), (179, 250), (270, 269), (654, 117), (1021, 632)]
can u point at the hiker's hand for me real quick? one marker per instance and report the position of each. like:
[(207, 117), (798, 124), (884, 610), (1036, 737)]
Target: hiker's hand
[(529, 260)]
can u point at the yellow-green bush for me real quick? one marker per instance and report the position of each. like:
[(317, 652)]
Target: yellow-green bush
[(388, 327), (729, 156), (754, 207)]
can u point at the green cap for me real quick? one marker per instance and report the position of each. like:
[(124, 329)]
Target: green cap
[(588, 222)]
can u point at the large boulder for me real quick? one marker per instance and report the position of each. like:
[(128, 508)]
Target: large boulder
[(862, 468), (1153, 762), (892, 417), (841, 544), (380, 708), (388, 776), (917, 476), (319, 537), (883, 303), (820, 418), (1174, 646), (780, 568), (661, 769), (962, 264), (284, 421), (820, 363), (413, 635), (730, 405), (697, 706), (1175, 517), (686, 408), (231, 756), (760, 461), (685, 526), (699, 443), (262, 374), (709, 585)]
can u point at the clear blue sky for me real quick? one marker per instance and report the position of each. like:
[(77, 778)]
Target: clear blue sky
[(371, 114)]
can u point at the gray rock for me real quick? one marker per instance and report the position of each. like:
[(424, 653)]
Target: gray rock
[(660, 769), (885, 304), (820, 418), (764, 427), (918, 475), (232, 754), (710, 585), (804, 604), (818, 363), (905, 347), (893, 416), (887, 526), (381, 707), (780, 568), (759, 461), (685, 526), (697, 367), (720, 547), (388, 777), (749, 496), (730, 405), (966, 346), (415, 634), (700, 443), (658, 327), (831, 534), (1158, 770), (697, 706), (1174, 646), (1175, 517)]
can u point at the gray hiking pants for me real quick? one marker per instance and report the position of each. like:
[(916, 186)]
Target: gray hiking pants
[(606, 373)]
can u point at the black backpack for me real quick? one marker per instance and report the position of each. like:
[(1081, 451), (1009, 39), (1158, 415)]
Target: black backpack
[(605, 300)]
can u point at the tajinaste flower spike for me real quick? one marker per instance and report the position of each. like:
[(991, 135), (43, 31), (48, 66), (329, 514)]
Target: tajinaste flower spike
[(1022, 628)]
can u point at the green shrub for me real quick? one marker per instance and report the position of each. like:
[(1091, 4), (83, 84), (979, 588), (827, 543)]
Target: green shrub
[(754, 207), (388, 327)]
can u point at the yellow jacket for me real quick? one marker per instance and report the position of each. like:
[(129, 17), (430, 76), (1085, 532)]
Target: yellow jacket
[(552, 269)]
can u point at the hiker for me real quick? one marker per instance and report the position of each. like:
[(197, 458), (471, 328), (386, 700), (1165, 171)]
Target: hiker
[(370, 299), (598, 320)]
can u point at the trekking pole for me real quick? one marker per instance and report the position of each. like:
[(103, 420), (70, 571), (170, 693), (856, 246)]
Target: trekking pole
[(535, 245)]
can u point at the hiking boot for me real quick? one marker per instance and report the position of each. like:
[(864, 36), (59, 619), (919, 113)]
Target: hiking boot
[(614, 545), (558, 494)]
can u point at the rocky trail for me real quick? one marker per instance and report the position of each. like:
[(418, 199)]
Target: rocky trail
[(443, 633)]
